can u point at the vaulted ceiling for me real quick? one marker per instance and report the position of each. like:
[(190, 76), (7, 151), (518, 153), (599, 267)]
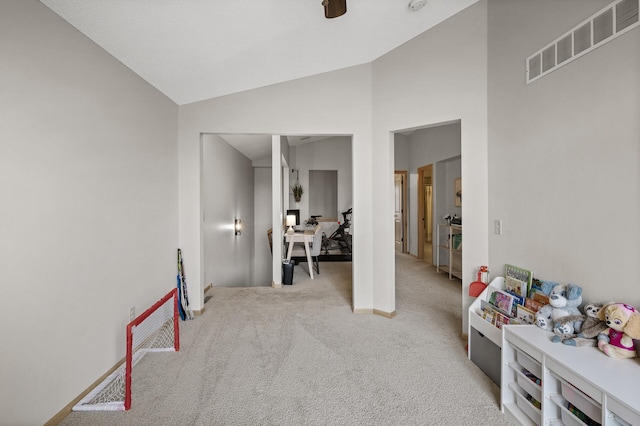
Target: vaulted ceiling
[(193, 50)]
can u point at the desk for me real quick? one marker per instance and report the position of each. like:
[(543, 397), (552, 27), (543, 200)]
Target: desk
[(301, 237)]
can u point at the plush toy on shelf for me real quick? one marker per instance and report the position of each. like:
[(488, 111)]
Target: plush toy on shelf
[(623, 322), (564, 300), (563, 328), (591, 327)]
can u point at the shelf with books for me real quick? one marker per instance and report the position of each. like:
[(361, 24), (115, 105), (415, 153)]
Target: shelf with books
[(499, 304)]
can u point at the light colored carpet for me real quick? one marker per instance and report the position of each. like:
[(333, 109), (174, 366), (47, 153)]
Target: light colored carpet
[(299, 356)]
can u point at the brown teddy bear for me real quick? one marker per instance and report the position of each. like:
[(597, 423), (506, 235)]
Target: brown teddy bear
[(623, 322)]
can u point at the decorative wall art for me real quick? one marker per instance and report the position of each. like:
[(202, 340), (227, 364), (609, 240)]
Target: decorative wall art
[(457, 192)]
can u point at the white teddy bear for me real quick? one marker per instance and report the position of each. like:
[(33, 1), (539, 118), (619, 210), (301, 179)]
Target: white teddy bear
[(564, 300)]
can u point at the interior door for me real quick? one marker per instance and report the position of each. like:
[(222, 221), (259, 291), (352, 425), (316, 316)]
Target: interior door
[(399, 219), (425, 213), (428, 220)]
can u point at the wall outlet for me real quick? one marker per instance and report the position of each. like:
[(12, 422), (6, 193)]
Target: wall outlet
[(132, 313), (497, 227)]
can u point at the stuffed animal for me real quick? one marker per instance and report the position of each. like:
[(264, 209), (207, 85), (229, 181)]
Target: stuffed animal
[(623, 322), (591, 327), (564, 329), (564, 300)]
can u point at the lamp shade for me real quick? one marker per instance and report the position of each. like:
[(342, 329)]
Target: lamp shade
[(291, 220)]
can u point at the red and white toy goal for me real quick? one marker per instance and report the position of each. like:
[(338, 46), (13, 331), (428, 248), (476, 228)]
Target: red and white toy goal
[(155, 330)]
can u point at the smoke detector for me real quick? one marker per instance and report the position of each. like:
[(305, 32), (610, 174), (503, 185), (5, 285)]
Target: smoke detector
[(415, 5)]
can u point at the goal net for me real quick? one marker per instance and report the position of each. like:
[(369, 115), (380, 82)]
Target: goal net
[(155, 330)]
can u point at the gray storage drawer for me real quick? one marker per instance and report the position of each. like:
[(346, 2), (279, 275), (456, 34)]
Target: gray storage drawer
[(486, 355)]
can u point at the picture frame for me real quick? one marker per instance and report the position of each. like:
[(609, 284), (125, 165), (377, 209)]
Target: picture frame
[(457, 192)]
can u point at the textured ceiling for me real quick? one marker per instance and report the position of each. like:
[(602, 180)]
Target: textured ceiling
[(193, 50)]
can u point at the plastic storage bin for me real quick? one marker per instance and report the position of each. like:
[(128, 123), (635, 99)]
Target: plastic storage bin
[(529, 363), (582, 402), (532, 412), (529, 386), (569, 420), (486, 355)]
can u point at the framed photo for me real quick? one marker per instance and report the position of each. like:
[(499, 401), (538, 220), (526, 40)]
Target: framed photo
[(457, 191)]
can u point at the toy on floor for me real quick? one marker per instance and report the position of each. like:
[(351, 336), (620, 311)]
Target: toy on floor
[(591, 327), (564, 300), (623, 322)]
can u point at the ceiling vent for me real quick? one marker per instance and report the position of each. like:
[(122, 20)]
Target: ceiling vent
[(604, 26)]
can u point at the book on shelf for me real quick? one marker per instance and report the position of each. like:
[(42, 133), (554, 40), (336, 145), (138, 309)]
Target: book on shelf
[(502, 300), (516, 286), (496, 316), (533, 304), (457, 241), (536, 293), (519, 278), (581, 415), (490, 312), (534, 402), (502, 319), (517, 301), (526, 315), (540, 297), (489, 316)]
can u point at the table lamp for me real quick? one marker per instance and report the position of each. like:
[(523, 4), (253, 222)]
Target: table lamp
[(290, 222)]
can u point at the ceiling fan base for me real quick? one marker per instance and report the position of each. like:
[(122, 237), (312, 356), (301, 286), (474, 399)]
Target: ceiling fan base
[(334, 8)]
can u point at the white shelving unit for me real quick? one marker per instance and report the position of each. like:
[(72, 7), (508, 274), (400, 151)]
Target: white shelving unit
[(604, 388), (444, 244), (484, 339)]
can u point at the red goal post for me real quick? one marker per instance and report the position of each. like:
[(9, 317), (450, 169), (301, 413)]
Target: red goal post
[(155, 330), (138, 335)]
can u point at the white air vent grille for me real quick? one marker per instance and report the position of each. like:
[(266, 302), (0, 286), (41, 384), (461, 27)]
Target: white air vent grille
[(582, 39), (548, 58), (603, 26), (609, 23)]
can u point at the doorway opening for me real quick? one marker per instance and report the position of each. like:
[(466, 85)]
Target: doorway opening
[(431, 157), (237, 184)]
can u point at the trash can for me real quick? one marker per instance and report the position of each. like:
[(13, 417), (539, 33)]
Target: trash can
[(287, 272)]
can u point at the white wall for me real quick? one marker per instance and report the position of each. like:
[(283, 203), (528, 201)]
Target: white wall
[(438, 77), (564, 152), (328, 154), (402, 153), (89, 212), (228, 193), (262, 272)]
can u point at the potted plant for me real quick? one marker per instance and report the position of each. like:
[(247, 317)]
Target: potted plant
[(297, 191)]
